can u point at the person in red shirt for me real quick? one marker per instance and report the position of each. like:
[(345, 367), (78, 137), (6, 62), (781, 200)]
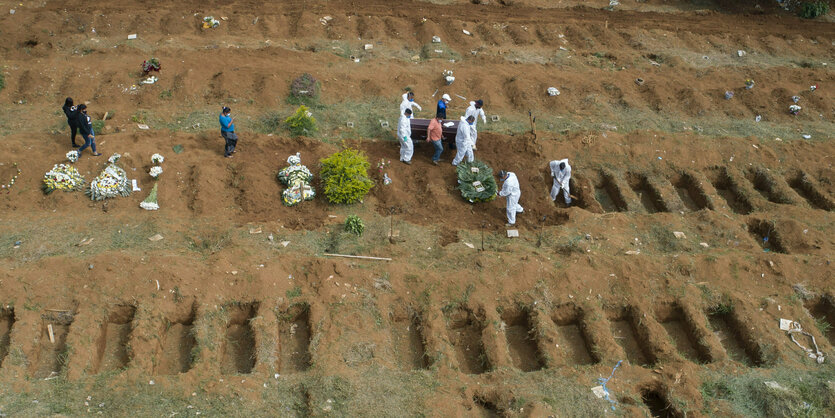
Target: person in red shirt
[(435, 134)]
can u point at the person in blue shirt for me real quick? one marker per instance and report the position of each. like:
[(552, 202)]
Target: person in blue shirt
[(442, 105), (85, 127), (227, 131)]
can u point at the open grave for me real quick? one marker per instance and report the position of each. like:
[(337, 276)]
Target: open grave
[(112, 347), (465, 335), (765, 233), (767, 185), (294, 333), (571, 335), (607, 193), (658, 404), (822, 309), (729, 331), (521, 340), (728, 189), (178, 342), (692, 195), (409, 346), (238, 351), (485, 408), (623, 325), (52, 349), (649, 195), (806, 187), (683, 332), (6, 324)]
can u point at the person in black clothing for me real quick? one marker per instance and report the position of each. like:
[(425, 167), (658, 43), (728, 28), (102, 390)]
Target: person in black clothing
[(72, 119), (85, 127)]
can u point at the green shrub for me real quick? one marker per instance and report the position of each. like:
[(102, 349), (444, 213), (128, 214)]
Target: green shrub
[(304, 90), (302, 122), (98, 126), (476, 182), (354, 225), (2, 81), (813, 9), (345, 176)]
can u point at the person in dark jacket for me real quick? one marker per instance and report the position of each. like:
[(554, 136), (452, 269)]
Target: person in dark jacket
[(442, 106), (85, 128), (72, 119)]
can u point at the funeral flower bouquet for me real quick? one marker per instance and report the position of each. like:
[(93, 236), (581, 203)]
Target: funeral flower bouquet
[(112, 182), (297, 178), (476, 182), (63, 176), (150, 202)]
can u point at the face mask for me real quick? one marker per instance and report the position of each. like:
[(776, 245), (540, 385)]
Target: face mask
[(408, 116), (471, 123), (411, 100)]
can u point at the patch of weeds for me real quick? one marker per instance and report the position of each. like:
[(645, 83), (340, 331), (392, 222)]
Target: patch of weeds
[(2, 81), (572, 246), (165, 94), (665, 240), (269, 122), (208, 242), (823, 325), (438, 50), (139, 117), (132, 237), (354, 225), (98, 126), (295, 292)]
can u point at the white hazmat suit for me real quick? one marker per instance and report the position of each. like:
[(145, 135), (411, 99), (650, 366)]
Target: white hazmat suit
[(475, 112), (510, 190), (406, 104), (404, 136), (463, 142), (561, 180)]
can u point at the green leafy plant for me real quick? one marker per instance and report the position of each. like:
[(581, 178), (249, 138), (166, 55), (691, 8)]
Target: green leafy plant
[(476, 182), (302, 122), (2, 81), (98, 126), (354, 225), (813, 9), (345, 176)]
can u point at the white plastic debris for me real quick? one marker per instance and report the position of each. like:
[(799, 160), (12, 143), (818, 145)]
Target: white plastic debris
[(552, 91), (325, 20), (436, 39), (598, 391), (513, 233), (368, 46), (135, 186), (150, 80), (449, 124), (11, 11), (740, 53), (758, 118), (132, 36), (806, 136), (679, 234), (142, 126), (466, 32), (448, 77)]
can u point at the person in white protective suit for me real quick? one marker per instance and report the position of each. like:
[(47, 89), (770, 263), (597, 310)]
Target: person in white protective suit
[(510, 190), (404, 136), (409, 103), (475, 110), (464, 141), (561, 172)]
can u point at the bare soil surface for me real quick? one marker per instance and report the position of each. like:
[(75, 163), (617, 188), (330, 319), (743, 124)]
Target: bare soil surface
[(695, 228)]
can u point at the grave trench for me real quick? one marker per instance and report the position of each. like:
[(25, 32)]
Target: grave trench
[(728, 330), (294, 333), (650, 197), (766, 185), (727, 188), (409, 345), (485, 407), (765, 233), (521, 340), (7, 320), (52, 356), (178, 342), (607, 193), (803, 185), (572, 335), (823, 308), (658, 404), (238, 353), (112, 351), (683, 332), (465, 335), (690, 192), (623, 325)]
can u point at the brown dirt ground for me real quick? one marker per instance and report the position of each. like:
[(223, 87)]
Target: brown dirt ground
[(582, 288)]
